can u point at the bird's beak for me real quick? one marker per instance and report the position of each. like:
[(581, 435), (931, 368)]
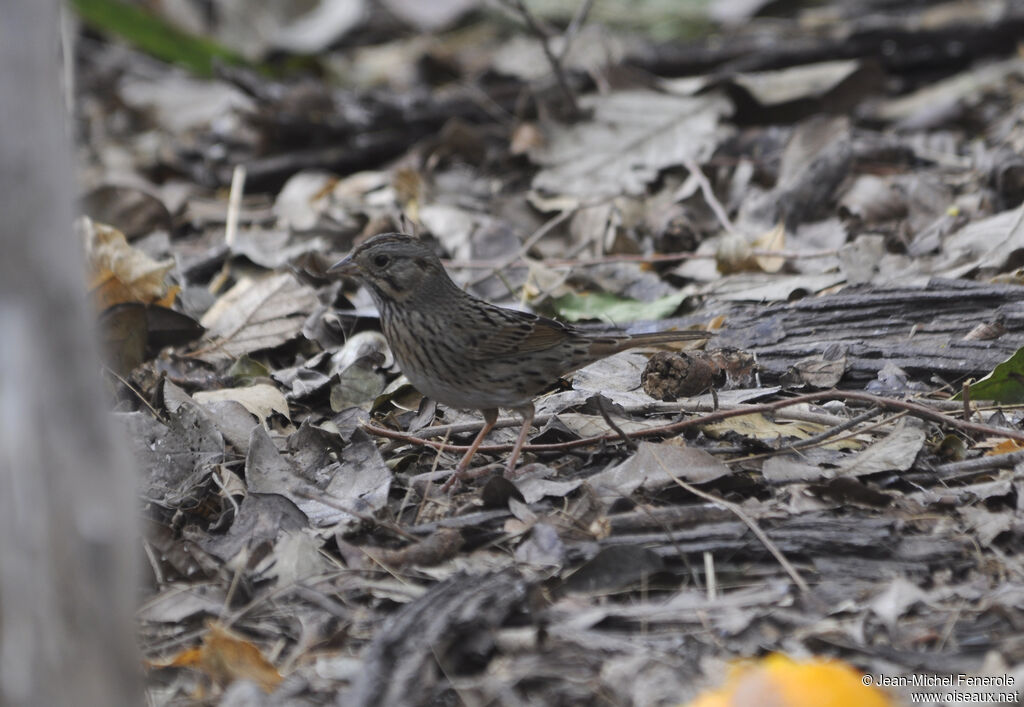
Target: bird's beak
[(345, 266)]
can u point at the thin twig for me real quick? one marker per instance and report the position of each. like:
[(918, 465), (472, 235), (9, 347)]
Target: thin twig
[(709, 194), (544, 229), (556, 64), (114, 374), (915, 409), (829, 435), (971, 466), (325, 499), (230, 226), (578, 19), (747, 520), (611, 423)]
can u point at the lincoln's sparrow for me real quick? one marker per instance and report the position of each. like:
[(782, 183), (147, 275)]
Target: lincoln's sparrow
[(467, 353)]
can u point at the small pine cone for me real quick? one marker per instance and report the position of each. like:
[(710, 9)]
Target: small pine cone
[(671, 375)]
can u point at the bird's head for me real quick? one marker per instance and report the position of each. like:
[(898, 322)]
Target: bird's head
[(395, 267)]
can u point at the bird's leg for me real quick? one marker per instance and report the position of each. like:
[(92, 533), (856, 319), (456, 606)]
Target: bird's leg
[(490, 417), (527, 411)]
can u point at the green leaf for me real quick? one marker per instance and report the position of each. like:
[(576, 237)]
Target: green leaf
[(614, 309), (154, 36), (246, 370), (1005, 384)]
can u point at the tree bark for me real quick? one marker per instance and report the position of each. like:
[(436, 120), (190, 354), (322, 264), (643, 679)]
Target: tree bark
[(67, 502)]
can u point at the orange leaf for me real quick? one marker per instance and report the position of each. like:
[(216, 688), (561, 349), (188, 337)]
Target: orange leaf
[(1005, 447), (225, 657)]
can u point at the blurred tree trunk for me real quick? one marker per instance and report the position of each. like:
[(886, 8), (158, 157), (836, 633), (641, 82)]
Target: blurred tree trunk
[(67, 502)]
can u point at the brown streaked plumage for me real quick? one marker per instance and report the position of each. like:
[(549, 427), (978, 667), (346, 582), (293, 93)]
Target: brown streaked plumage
[(468, 353)]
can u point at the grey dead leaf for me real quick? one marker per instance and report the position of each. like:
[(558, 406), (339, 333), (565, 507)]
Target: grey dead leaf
[(858, 261), (433, 16), (274, 248), (737, 396), (256, 314), (632, 136), (303, 381), (303, 202), (873, 199), (765, 287), (826, 235), (819, 371), (616, 377), (260, 520), (986, 524), (894, 452), (807, 81), (234, 422), (180, 103), (178, 603), (543, 549), (591, 49), (524, 517), (363, 480), (302, 28), (613, 568), (534, 489), (986, 243), (359, 385), (592, 425), (268, 471), (967, 495), (896, 600), (640, 679), (790, 468), (175, 458), (807, 144), (653, 466), (296, 557), (358, 346), (938, 96), (313, 450), (453, 225), (262, 399), (627, 280), (134, 211)]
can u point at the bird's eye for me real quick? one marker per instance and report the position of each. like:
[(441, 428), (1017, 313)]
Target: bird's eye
[(381, 261)]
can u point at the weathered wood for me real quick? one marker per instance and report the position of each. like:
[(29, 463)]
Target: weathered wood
[(449, 624), (919, 329), (67, 506)]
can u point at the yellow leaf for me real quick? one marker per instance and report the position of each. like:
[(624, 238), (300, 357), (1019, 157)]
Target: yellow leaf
[(783, 682)]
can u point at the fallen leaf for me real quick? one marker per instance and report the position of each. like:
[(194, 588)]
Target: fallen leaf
[(256, 314), (225, 657), (261, 399)]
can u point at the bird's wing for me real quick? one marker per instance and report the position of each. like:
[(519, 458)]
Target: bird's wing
[(506, 333)]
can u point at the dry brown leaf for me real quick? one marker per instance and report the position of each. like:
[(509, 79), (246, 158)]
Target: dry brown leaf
[(121, 273), (225, 657), (1005, 446)]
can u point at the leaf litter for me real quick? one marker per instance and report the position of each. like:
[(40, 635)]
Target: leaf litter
[(835, 224)]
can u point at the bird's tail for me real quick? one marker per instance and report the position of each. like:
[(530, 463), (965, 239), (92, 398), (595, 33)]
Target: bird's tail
[(608, 345)]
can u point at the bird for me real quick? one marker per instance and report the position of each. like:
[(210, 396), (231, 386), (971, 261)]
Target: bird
[(465, 352)]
